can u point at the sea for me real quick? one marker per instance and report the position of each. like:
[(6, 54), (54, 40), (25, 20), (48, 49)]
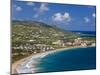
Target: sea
[(86, 32), (68, 60), (75, 59)]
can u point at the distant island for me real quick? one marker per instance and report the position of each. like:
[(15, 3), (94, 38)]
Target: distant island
[(32, 37)]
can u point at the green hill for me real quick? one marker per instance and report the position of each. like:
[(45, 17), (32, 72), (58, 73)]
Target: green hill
[(31, 36), (23, 31)]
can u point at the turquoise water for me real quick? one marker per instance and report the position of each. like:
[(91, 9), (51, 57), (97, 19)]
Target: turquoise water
[(69, 60)]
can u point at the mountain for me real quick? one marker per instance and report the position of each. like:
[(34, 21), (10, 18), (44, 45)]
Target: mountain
[(23, 31), (31, 23)]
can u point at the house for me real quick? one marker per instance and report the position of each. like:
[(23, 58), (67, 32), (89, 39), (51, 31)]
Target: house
[(58, 42), (83, 44)]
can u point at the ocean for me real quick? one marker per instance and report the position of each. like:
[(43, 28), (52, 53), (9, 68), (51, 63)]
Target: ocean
[(68, 60), (65, 60), (86, 32)]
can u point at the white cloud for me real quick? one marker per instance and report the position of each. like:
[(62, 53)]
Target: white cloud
[(61, 17), (30, 3), (86, 19), (94, 15), (43, 8), (57, 17), (18, 8)]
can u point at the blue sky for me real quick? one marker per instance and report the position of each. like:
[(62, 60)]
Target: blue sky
[(65, 16)]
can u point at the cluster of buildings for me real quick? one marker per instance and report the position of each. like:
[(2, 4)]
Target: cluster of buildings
[(35, 47), (74, 42), (60, 43)]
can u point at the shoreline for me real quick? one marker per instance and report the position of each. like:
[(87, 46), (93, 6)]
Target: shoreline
[(33, 57)]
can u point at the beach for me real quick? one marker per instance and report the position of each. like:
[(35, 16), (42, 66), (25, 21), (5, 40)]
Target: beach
[(26, 62)]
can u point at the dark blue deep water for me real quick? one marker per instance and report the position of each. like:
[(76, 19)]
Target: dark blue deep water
[(69, 60), (86, 32)]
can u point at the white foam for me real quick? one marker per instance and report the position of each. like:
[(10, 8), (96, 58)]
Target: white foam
[(28, 66)]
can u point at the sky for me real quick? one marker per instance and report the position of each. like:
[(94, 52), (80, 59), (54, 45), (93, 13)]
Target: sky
[(65, 16)]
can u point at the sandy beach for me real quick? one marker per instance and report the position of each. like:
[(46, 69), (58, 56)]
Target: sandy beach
[(25, 62)]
